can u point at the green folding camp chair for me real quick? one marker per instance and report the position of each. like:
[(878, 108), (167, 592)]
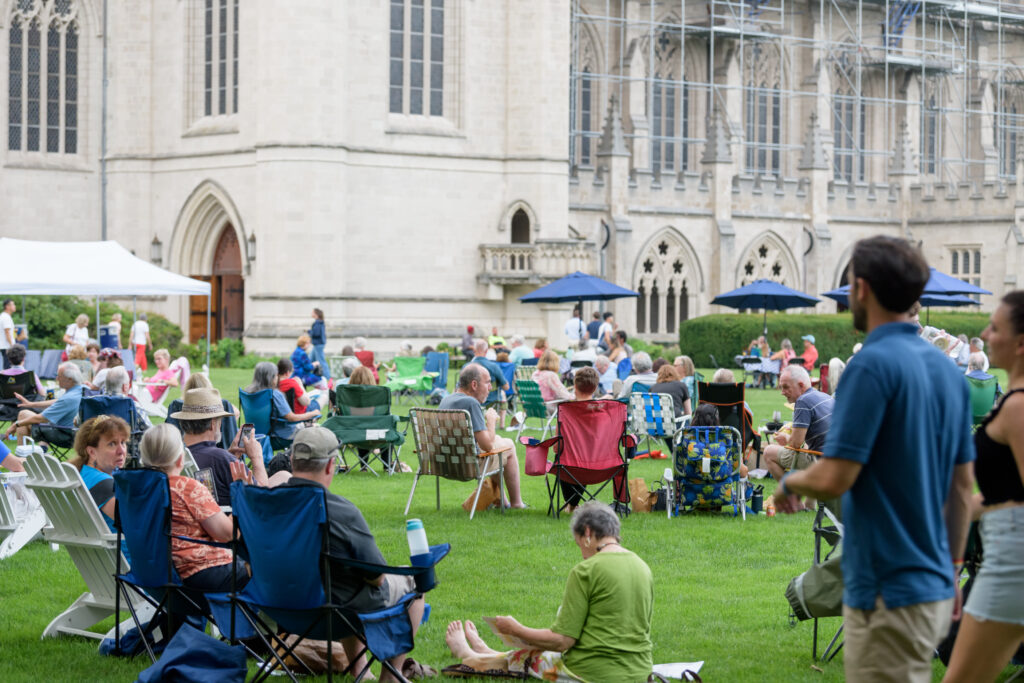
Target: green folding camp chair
[(409, 380), (983, 396), (533, 405), (364, 424)]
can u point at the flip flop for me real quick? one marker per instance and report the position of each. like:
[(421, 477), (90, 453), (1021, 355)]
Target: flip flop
[(414, 670), (465, 671)]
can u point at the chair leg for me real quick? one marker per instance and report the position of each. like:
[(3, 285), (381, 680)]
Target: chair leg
[(408, 503), (479, 485)]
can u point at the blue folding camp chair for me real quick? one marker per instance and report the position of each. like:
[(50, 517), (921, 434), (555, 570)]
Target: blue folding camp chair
[(508, 370), (143, 520), (706, 469), (437, 361), (258, 408), (117, 406), (624, 368), (289, 587)]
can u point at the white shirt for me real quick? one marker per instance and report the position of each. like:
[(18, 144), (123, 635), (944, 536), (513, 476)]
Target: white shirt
[(573, 329), (605, 328), (79, 335), (140, 330), (6, 323), (115, 329)]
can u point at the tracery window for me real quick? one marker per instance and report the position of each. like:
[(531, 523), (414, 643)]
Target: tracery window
[(664, 280), (220, 57), (42, 77), (416, 57)]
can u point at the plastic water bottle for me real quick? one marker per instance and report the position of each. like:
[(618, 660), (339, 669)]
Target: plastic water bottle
[(417, 538), (769, 507)]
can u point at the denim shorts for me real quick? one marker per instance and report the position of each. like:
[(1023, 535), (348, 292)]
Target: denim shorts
[(998, 590)]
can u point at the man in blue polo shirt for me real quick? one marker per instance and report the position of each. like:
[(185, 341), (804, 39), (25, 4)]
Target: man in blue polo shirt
[(60, 412), (899, 451)]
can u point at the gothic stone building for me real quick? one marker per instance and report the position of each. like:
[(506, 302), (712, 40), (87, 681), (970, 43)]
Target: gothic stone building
[(411, 166)]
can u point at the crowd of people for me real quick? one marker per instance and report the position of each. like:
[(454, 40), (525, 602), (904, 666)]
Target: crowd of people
[(894, 443)]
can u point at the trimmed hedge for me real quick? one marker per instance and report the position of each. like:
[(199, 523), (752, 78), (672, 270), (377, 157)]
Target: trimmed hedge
[(726, 334)]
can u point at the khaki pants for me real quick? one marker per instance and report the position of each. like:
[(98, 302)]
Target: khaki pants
[(894, 644)]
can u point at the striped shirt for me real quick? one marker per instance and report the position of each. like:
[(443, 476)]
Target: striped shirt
[(813, 412)]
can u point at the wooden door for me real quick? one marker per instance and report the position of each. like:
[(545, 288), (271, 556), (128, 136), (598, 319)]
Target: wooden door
[(197, 311), (229, 286)]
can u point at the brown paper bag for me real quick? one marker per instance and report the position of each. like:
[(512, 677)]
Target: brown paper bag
[(313, 654), (639, 495), (488, 494)]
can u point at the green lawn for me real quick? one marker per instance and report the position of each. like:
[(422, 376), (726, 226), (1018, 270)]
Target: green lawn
[(719, 581)]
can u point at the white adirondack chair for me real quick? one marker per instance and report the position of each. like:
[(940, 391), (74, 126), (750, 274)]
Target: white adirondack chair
[(18, 528), (78, 526)]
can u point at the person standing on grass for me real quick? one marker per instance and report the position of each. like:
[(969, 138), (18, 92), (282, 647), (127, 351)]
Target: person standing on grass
[(899, 452), (6, 332), (139, 338), (318, 336)]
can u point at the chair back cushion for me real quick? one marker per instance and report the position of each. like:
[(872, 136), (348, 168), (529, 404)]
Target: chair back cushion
[(445, 443), (362, 399), (283, 529), (144, 518), (116, 406)]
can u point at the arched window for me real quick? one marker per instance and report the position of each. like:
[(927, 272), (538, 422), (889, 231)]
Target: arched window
[(520, 228), (669, 104), (654, 307), (762, 111), (665, 268), (220, 57), (641, 310), (42, 77)]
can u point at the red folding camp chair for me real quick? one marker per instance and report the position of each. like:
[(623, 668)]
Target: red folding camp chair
[(592, 447)]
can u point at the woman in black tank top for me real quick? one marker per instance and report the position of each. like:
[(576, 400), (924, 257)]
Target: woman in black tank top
[(993, 620)]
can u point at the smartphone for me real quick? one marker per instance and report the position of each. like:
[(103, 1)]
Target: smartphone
[(247, 431), (205, 476)]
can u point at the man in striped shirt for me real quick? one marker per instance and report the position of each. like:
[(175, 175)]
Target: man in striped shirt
[(812, 416)]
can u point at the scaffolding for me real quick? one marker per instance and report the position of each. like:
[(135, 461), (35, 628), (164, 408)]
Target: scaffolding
[(946, 68)]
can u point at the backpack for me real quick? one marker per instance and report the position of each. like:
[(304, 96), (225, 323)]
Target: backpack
[(818, 592)]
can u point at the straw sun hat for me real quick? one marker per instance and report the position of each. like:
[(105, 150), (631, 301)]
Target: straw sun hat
[(201, 404)]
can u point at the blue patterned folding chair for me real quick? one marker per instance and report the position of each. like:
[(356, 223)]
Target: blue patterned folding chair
[(706, 465)]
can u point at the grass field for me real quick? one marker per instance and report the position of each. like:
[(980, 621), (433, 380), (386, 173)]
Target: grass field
[(719, 581)]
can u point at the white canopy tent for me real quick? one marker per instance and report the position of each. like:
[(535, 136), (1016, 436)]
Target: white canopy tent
[(90, 269)]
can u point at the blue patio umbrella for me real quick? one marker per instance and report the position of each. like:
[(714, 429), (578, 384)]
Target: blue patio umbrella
[(767, 295), (842, 296), (942, 284), (577, 287)]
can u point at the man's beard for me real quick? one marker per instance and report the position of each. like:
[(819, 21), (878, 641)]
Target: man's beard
[(860, 316)]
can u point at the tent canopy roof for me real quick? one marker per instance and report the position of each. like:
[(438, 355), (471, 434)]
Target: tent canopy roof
[(86, 269)]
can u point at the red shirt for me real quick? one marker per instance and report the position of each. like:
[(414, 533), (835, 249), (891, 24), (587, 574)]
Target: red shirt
[(810, 356), (291, 383)]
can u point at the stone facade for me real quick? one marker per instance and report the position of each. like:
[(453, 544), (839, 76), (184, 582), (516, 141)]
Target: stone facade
[(404, 225)]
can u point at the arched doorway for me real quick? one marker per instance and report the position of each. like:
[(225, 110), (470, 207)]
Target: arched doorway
[(227, 307), (520, 228)]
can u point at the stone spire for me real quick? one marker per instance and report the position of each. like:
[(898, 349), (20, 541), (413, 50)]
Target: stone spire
[(716, 148), (902, 162), (812, 157), (613, 140)]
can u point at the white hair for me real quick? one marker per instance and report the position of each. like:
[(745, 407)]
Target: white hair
[(798, 374), (359, 343), (518, 340), (977, 343), (857, 347), (976, 361), (115, 380), (642, 362), (479, 346), (161, 446), (835, 370), (70, 371), (602, 363)]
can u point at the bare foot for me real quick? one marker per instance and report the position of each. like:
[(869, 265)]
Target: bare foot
[(455, 636), (475, 641)]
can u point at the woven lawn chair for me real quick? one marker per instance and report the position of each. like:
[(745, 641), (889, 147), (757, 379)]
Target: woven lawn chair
[(592, 447), (447, 448), (653, 415), (534, 406), (78, 526)]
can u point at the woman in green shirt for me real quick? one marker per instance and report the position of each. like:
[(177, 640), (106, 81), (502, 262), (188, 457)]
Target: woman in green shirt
[(602, 631)]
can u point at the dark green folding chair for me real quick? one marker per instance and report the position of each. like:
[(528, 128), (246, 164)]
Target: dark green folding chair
[(533, 405), (364, 424)]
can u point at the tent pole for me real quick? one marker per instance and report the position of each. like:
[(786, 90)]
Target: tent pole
[(208, 329)]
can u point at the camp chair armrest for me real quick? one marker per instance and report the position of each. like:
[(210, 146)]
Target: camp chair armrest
[(525, 440), (437, 553), (488, 454)]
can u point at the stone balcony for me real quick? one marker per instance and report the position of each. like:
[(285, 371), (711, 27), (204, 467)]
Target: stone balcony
[(537, 263)]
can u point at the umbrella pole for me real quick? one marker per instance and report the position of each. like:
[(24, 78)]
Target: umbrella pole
[(765, 324), (927, 315)]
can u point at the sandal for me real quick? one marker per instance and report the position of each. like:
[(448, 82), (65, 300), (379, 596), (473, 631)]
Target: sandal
[(465, 671), (414, 670)]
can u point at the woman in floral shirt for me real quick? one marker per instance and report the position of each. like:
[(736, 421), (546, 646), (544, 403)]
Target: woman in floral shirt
[(194, 514)]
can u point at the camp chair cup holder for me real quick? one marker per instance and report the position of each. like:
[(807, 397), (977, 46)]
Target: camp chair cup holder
[(426, 580)]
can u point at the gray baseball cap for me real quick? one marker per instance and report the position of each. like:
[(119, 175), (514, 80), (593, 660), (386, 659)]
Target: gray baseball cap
[(314, 443)]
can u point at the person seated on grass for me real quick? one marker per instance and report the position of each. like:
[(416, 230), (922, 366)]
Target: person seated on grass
[(976, 369), (586, 383), (301, 399), (642, 373), (60, 412), (776, 362), (726, 376), (101, 446), (540, 346), (471, 391), (314, 462), (200, 420), (304, 368), (365, 357), (498, 382), (810, 353), (601, 632), (196, 514), (77, 355), (264, 376), (520, 351), (109, 358), (547, 379), (606, 371), (812, 416)]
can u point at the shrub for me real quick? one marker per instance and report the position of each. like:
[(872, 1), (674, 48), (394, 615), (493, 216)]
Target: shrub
[(727, 334)]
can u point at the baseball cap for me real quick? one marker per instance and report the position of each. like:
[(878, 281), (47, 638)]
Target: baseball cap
[(808, 337), (314, 443)]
